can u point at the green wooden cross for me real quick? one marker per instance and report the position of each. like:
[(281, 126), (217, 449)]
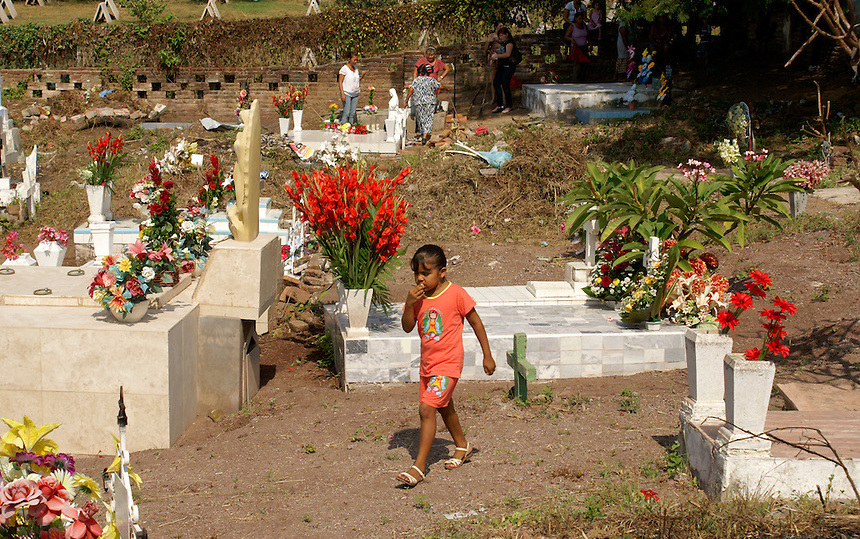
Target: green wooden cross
[(523, 370)]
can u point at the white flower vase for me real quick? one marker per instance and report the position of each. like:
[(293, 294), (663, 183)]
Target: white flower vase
[(284, 125), (797, 203), (748, 386), (25, 259), (50, 253), (357, 309), (705, 354), (297, 120), (99, 199), (136, 315)]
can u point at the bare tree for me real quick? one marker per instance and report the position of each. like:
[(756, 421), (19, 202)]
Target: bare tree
[(834, 22)]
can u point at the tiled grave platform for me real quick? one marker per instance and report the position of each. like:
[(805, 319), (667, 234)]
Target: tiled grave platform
[(562, 100), (373, 142), (590, 116), (567, 338), (781, 470)]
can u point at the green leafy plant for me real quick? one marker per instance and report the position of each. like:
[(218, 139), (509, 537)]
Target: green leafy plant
[(675, 460), (629, 401)]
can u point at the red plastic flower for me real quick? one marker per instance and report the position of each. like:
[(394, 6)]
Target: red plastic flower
[(761, 278), (771, 314), (727, 319), (741, 301), (755, 290), (753, 354), (649, 494), (784, 305), (777, 348)]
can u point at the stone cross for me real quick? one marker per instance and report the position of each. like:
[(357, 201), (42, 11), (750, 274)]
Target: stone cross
[(211, 10), (244, 216), (523, 370), (29, 191), (652, 255)]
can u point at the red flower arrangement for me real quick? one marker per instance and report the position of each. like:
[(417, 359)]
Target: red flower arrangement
[(216, 190), (358, 220), (773, 318), (106, 155), (12, 249)]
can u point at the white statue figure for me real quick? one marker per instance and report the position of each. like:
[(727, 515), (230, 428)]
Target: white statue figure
[(393, 103)]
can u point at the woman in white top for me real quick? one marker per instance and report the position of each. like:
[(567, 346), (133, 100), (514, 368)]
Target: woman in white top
[(349, 82)]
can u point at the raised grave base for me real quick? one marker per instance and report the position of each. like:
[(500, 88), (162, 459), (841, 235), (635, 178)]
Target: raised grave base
[(373, 142), (567, 338), (562, 100)]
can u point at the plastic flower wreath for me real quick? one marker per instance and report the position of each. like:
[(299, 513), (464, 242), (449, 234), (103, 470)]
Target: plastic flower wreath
[(773, 319), (126, 280), (608, 280), (358, 221)]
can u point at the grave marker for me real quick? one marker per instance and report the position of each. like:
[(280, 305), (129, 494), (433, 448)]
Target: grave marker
[(314, 6), (308, 59), (652, 254), (592, 231), (424, 39), (107, 12), (125, 510), (523, 370), (29, 191), (6, 5), (211, 10)]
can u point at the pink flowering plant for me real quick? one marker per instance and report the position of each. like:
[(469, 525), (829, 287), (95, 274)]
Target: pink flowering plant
[(772, 319), (41, 494), (12, 249), (809, 174), (126, 280), (48, 234)]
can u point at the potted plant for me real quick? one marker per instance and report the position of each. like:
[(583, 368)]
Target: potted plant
[(810, 175), (298, 97), (748, 378), (43, 495), (358, 220), (284, 106), (106, 155), (51, 250), (123, 282), (14, 252)]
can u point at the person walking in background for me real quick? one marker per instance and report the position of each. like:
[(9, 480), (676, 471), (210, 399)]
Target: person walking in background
[(349, 82), (438, 69), (622, 43), (423, 91), (505, 67)]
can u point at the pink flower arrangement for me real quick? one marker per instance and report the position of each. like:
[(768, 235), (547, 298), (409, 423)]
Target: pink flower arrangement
[(773, 318), (48, 234), (812, 173), (126, 280), (756, 157), (12, 249), (285, 252)]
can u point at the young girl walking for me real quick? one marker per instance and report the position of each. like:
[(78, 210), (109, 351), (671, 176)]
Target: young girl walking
[(438, 308)]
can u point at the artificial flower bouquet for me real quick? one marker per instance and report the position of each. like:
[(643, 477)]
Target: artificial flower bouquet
[(243, 102), (49, 234), (695, 297), (645, 300), (809, 174), (12, 249), (760, 282), (195, 240), (358, 221), (298, 97), (550, 77), (284, 105), (162, 227), (126, 280), (42, 496), (332, 111), (370, 108), (607, 280), (335, 154), (177, 158), (105, 156), (218, 186)]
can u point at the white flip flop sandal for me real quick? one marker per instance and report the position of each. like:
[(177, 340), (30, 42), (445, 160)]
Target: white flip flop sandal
[(452, 462), (408, 479)]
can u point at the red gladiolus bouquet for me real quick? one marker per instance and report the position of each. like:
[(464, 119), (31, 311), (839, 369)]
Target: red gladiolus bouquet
[(358, 220), (106, 156), (217, 189), (775, 331)]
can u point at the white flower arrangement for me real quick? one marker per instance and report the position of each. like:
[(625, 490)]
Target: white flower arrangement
[(177, 159), (729, 151)]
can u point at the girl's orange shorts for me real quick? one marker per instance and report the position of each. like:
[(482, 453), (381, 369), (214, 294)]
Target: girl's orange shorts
[(436, 390)]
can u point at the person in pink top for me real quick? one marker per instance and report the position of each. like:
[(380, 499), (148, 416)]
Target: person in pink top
[(438, 307), (438, 69)]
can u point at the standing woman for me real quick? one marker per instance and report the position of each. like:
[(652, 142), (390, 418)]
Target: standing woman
[(504, 71), (349, 82), (424, 89)]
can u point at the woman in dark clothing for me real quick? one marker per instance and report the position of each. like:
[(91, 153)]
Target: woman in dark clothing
[(504, 71)]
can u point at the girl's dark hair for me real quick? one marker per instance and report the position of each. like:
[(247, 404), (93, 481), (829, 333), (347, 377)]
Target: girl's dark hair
[(424, 70), (504, 30), (350, 54), (429, 255)]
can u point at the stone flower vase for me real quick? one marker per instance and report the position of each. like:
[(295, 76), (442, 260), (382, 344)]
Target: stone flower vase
[(136, 315), (284, 125), (24, 259), (99, 198), (297, 120), (50, 253), (705, 352), (357, 309), (748, 386), (797, 203)]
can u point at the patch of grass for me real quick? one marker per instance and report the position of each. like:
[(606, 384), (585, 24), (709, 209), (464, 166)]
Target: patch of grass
[(676, 462), (629, 401), (822, 295), (308, 449), (326, 348), (577, 401), (420, 502)]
